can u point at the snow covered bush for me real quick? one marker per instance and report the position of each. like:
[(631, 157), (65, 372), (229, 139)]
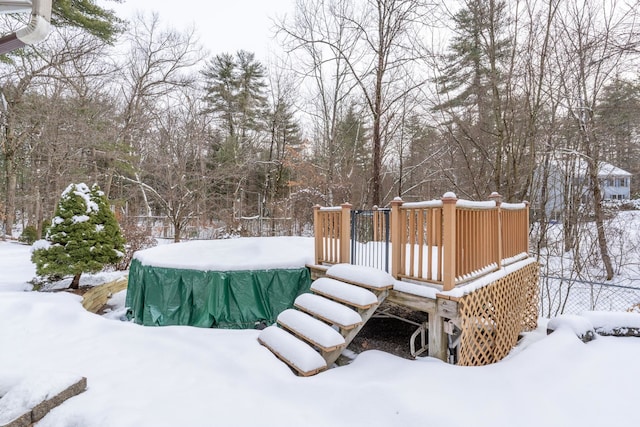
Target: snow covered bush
[(84, 236)]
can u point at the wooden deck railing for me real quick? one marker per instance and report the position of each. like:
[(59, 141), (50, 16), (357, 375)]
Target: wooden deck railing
[(416, 236), (331, 227), (445, 242), (514, 230)]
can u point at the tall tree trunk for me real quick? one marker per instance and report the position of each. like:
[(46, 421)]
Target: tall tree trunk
[(177, 231), (599, 218), (377, 162), (377, 112), (592, 151), (11, 182), (38, 209)]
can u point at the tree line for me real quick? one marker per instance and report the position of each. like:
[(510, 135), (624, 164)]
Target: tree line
[(371, 99)]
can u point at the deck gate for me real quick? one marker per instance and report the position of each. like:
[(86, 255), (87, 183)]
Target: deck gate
[(370, 238)]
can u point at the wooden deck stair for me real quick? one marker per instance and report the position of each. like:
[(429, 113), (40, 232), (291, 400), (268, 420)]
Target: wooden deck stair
[(311, 336)]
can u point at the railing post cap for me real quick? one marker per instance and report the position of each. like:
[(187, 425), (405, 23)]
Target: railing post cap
[(346, 205), (316, 206), (397, 201), (449, 197), (496, 197)]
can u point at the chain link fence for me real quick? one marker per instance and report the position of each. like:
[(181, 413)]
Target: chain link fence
[(571, 296)]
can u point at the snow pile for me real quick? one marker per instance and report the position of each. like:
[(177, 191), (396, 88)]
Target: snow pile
[(576, 324), (31, 391), (421, 290), (309, 327), (609, 323), (116, 306), (369, 276), (249, 253), (328, 309), (589, 323), (297, 352), (87, 280), (341, 291), (17, 268)]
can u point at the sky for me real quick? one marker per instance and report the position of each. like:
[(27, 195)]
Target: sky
[(178, 375), (224, 26)]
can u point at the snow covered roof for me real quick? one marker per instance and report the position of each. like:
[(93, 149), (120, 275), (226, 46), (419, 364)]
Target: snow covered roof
[(607, 170)]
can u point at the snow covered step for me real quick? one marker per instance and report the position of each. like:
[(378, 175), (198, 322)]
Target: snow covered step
[(366, 277), (294, 352), (345, 293), (310, 329), (329, 311)]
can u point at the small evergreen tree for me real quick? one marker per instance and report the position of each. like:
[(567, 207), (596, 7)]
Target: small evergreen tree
[(84, 236)]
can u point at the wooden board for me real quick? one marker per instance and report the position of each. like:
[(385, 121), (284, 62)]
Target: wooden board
[(302, 303), (94, 299), (317, 271), (291, 364), (447, 308), (303, 358), (360, 284), (343, 301), (413, 302), (308, 339)]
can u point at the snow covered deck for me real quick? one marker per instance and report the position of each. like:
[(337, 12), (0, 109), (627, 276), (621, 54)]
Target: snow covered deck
[(511, 291), (465, 263)]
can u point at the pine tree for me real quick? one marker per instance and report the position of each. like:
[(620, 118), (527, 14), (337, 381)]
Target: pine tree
[(472, 88), (84, 236), (89, 15), (235, 93)]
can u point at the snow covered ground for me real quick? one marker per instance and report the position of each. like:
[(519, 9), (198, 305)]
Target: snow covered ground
[(184, 376)]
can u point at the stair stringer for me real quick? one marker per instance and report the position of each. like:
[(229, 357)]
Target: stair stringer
[(349, 335)]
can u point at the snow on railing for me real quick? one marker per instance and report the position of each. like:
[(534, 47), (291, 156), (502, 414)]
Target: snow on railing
[(446, 242), (331, 231)]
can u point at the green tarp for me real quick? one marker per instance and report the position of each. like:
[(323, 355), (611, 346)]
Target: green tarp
[(221, 299)]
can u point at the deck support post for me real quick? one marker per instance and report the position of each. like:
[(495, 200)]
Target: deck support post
[(345, 233), (317, 233), (449, 241), (445, 309), (396, 237), (438, 340), (525, 226), (497, 198)]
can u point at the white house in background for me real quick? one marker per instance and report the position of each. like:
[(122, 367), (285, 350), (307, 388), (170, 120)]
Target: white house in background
[(570, 177), (615, 182)]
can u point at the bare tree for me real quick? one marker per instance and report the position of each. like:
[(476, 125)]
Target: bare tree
[(158, 62), (596, 39), (374, 43), (26, 76), (320, 38), (171, 170)]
